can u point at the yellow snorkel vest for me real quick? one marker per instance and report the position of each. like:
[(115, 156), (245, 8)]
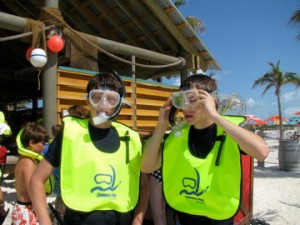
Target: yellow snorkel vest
[(49, 185), (4, 128), (92, 179), (209, 187)]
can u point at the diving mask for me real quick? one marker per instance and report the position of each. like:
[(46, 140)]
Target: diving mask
[(185, 99), (104, 98)]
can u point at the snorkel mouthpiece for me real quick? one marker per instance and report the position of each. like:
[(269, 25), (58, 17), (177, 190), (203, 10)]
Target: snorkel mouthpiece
[(101, 118), (177, 128)]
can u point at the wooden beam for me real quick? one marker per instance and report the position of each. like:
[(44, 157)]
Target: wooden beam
[(160, 31), (118, 24), (91, 17), (138, 23), (169, 25)]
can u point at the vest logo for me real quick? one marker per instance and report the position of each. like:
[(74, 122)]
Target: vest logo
[(106, 184), (191, 188)]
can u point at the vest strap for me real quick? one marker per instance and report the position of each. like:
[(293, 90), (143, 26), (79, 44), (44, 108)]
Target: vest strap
[(220, 138), (126, 138)]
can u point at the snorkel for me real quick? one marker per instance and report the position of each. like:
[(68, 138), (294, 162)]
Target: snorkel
[(176, 126), (102, 117)]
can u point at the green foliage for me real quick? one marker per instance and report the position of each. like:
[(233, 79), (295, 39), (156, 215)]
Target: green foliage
[(295, 19), (231, 104), (179, 3), (196, 24)]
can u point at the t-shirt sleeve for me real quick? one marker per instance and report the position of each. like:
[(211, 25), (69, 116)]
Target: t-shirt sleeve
[(54, 153)]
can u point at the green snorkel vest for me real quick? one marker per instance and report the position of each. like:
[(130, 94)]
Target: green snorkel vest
[(209, 187), (49, 185), (95, 180), (6, 128)]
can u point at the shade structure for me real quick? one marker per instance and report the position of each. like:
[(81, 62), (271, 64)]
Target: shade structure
[(294, 119), (251, 119), (275, 119)]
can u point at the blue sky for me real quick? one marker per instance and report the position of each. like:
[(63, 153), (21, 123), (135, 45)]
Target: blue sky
[(243, 36)]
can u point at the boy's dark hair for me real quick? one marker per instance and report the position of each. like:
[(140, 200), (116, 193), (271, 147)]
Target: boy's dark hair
[(200, 81), (104, 80), (35, 132), (56, 129), (79, 111)]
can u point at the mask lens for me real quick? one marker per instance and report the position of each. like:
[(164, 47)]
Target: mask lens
[(184, 99), (191, 98), (177, 99), (104, 98)]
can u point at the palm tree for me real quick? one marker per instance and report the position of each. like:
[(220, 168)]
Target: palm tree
[(295, 19), (276, 78)]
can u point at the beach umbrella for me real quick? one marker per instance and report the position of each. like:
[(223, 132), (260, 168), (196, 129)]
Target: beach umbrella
[(275, 119), (295, 119), (251, 119), (297, 113)]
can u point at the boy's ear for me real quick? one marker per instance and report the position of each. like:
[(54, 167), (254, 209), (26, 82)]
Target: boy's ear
[(30, 144)]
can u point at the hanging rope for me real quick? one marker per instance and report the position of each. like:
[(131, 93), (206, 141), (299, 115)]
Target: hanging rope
[(23, 35), (52, 18)]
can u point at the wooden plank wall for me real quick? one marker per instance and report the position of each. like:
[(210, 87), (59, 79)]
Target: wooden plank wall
[(150, 96)]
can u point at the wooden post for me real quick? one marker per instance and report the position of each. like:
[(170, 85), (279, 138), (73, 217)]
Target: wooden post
[(49, 81), (133, 86)]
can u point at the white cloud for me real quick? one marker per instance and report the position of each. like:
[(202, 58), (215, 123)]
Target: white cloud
[(176, 81), (291, 103), (250, 102), (292, 96), (265, 108)]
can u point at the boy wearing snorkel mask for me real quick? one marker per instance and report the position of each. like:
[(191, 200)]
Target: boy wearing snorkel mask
[(99, 161), (33, 138), (201, 164)]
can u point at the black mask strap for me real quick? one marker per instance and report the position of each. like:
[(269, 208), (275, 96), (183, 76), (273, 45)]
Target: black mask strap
[(122, 96)]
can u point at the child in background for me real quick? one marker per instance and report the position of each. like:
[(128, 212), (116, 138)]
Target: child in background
[(33, 138)]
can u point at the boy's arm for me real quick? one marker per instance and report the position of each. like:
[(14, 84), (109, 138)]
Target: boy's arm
[(151, 159), (38, 195)]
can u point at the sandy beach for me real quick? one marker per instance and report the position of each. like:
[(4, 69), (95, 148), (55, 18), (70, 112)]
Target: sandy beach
[(276, 194)]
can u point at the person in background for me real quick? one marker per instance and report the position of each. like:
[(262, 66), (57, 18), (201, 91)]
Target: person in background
[(99, 162), (58, 203), (31, 141), (79, 111), (201, 166), (5, 131)]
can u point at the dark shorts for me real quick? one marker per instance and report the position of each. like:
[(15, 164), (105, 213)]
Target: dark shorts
[(186, 219), (157, 175), (109, 217)]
